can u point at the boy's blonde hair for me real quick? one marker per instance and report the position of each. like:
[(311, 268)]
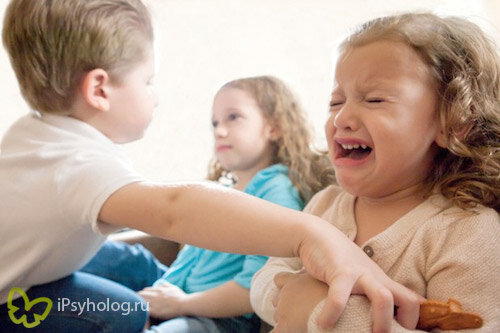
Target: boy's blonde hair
[(52, 44), (466, 67), (309, 170)]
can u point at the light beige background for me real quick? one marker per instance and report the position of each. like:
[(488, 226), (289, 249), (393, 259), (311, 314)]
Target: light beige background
[(204, 43)]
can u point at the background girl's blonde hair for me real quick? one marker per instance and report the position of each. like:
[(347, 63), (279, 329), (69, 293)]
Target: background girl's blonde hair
[(309, 170), (466, 67), (52, 44)]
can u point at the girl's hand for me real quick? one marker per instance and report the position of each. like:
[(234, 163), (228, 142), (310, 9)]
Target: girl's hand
[(165, 301), (298, 294), (334, 259)]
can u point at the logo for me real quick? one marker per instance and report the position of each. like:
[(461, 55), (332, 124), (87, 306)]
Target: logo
[(27, 306)]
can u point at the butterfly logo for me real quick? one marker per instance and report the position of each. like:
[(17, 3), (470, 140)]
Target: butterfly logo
[(27, 306)]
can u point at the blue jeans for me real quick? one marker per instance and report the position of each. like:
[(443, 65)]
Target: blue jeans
[(100, 297), (207, 325), (124, 263)]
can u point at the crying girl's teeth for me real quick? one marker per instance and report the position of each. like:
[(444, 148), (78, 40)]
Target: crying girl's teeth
[(355, 146)]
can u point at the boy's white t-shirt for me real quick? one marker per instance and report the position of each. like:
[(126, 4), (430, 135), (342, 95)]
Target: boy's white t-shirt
[(56, 172)]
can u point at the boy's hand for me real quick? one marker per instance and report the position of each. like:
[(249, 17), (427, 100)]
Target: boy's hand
[(334, 259), (298, 294), (165, 301)]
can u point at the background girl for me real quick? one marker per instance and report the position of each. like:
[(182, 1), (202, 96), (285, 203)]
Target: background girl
[(263, 147)]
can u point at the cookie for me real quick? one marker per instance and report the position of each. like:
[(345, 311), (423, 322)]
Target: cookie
[(446, 316)]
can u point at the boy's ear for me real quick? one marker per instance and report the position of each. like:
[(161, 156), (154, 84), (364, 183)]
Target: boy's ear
[(95, 89)]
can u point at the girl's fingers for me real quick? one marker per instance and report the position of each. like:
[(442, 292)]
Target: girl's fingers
[(282, 278), (150, 289), (279, 329), (147, 293), (276, 299)]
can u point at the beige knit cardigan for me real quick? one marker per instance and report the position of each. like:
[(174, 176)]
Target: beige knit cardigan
[(436, 249)]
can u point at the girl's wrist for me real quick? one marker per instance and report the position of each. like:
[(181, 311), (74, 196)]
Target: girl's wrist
[(185, 305), (312, 321)]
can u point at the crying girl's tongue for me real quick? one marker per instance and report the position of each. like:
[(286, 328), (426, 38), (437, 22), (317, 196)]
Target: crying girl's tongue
[(355, 152)]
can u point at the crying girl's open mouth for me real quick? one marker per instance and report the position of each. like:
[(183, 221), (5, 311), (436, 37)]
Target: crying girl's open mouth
[(353, 151)]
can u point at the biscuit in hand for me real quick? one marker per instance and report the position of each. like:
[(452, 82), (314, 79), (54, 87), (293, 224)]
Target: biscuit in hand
[(446, 316)]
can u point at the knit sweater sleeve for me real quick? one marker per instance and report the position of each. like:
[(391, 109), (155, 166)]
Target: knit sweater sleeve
[(263, 289), (355, 318), (463, 263), (459, 260)]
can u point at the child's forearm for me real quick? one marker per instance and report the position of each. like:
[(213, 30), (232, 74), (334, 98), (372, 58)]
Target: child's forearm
[(234, 220), (231, 221), (209, 216), (227, 300)]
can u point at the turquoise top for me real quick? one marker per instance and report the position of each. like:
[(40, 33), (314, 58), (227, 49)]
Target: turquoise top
[(197, 269)]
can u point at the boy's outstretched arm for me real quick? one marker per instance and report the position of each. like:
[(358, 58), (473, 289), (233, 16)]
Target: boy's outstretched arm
[(222, 219)]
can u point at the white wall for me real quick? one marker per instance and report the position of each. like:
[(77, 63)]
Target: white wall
[(204, 43)]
